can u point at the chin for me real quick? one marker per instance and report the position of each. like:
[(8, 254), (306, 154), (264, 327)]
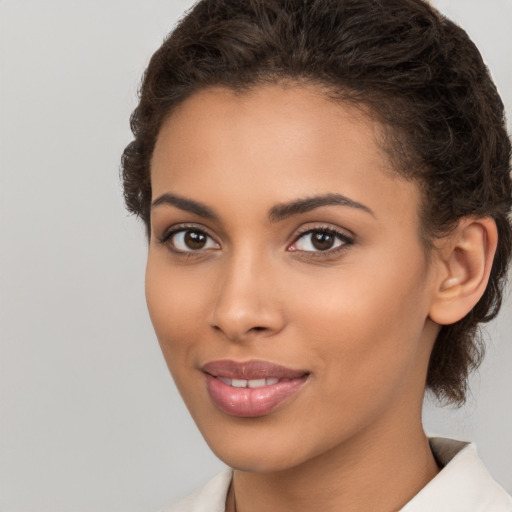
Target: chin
[(261, 445), (257, 459)]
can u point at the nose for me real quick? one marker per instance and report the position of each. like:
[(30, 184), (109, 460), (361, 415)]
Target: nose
[(247, 300)]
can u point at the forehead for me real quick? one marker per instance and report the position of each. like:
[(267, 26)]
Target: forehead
[(273, 142)]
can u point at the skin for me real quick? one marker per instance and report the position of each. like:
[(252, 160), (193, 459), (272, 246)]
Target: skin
[(356, 317)]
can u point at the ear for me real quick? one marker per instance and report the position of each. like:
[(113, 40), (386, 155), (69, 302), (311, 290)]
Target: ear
[(464, 262)]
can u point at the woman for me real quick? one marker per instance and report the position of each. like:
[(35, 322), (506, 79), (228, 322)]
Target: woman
[(326, 190)]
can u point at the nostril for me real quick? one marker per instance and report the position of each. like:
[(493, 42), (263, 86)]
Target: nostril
[(237, 319)]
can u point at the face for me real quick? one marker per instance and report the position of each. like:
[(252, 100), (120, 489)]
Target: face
[(286, 279)]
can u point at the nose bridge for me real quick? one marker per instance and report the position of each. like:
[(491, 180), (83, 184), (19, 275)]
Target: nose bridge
[(245, 302)]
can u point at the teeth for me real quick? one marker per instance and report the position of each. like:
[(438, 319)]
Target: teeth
[(252, 383), (256, 383)]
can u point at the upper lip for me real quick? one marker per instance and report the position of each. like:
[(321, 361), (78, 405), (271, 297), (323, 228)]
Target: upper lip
[(254, 369)]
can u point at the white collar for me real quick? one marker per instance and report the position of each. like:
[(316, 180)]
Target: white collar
[(463, 485)]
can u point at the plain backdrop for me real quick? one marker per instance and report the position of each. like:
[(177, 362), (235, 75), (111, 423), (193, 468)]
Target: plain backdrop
[(89, 417)]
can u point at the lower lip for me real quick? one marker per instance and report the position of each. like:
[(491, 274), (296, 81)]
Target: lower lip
[(251, 402)]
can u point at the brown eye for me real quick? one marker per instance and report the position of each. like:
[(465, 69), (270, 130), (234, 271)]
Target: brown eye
[(189, 240), (195, 240), (320, 240)]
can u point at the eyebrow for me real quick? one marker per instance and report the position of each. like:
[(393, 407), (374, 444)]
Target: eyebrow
[(185, 204), (277, 213), (280, 212)]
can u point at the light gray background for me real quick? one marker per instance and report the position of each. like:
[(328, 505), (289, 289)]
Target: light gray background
[(89, 417)]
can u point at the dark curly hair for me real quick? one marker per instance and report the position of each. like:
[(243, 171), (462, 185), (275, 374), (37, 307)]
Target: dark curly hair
[(414, 70)]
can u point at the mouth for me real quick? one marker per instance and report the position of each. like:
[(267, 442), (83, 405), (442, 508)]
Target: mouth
[(251, 383), (253, 388)]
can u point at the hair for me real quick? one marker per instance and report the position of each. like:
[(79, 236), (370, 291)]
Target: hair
[(411, 68)]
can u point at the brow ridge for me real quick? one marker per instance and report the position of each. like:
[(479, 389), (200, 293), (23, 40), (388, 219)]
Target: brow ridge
[(185, 204), (283, 211), (277, 213)]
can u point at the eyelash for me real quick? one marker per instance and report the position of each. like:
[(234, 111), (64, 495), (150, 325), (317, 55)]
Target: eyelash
[(342, 237), (167, 236)]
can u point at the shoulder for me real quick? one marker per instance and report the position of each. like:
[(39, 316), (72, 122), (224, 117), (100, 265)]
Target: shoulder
[(463, 485), (210, 498)]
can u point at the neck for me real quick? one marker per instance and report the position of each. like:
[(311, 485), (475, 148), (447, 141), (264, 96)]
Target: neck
[(374, 471)]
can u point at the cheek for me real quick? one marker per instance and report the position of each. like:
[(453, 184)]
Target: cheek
[(364, 325), (174, 306)]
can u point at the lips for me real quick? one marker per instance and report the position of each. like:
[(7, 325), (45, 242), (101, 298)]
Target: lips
[(253, 388)]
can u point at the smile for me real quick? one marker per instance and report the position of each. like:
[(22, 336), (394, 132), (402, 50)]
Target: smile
[(253, 383), (251, 389)]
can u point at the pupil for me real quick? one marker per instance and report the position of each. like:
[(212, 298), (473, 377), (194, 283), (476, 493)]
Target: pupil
[(322, 241), (195, 240)]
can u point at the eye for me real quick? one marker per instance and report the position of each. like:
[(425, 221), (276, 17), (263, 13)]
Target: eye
[(320, 240), (189, 240)]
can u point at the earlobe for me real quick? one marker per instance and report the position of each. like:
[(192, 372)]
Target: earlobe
[(464, 263)]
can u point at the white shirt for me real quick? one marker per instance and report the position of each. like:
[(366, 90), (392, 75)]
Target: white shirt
[(463, 485)]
